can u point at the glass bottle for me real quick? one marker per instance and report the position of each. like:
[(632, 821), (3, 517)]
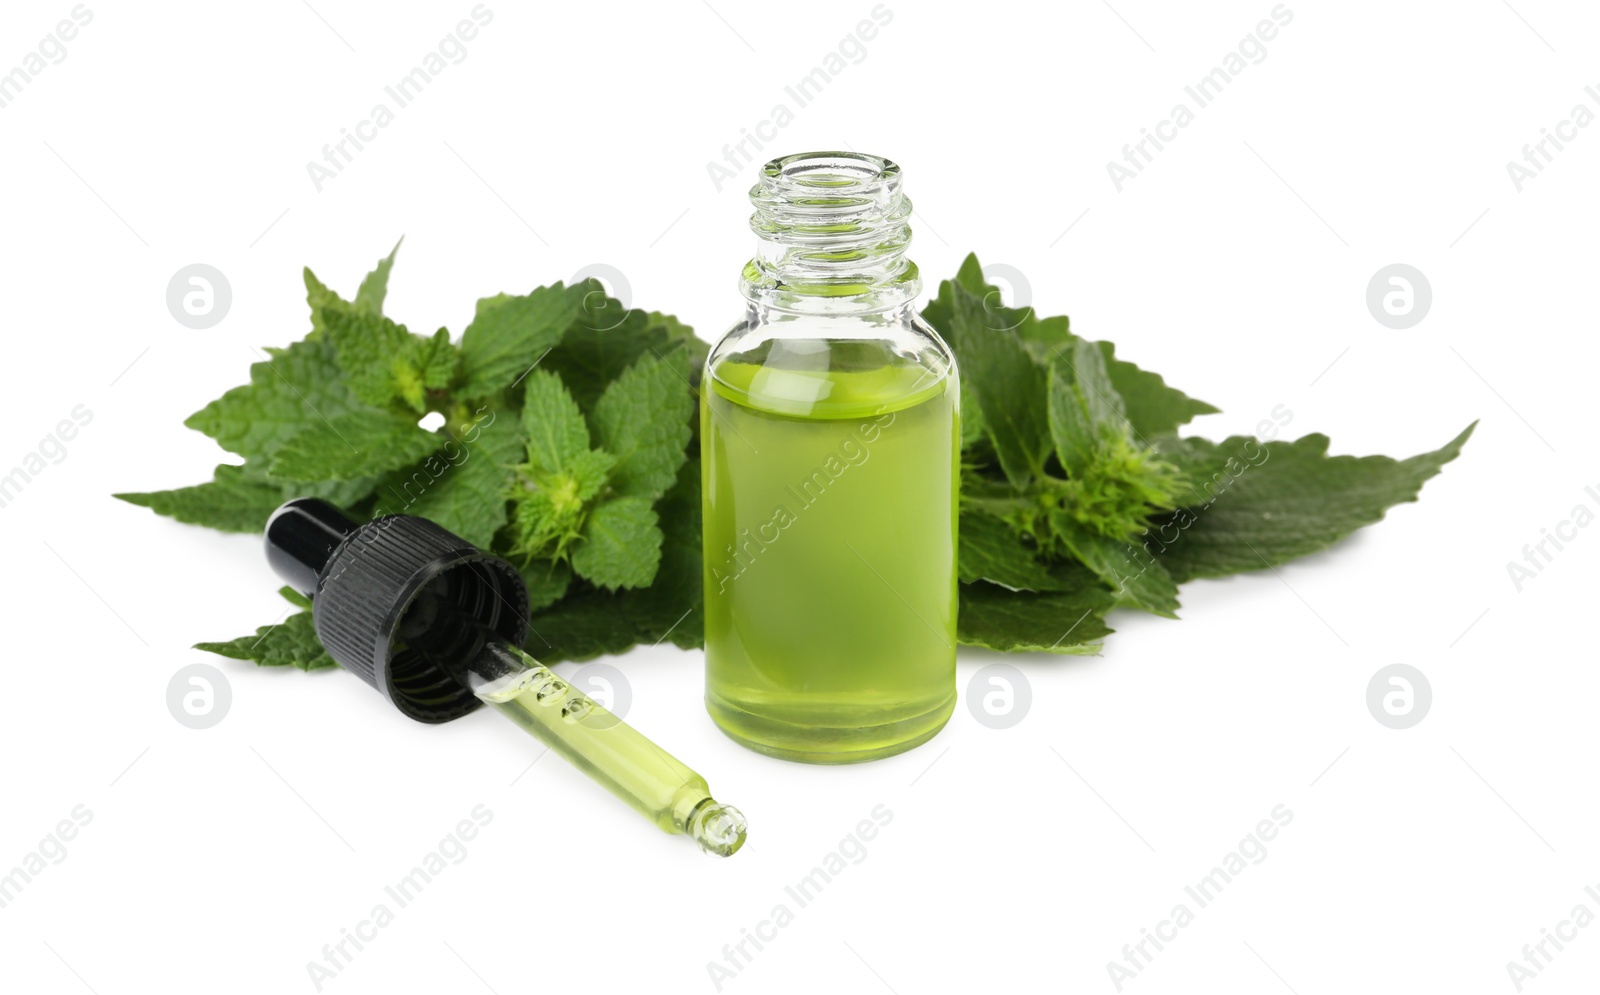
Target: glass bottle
[(830, 438)]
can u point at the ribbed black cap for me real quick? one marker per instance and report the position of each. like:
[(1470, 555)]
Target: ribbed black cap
[(363, 579)]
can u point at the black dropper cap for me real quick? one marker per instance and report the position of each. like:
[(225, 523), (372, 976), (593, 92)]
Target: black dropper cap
[(365, 579)]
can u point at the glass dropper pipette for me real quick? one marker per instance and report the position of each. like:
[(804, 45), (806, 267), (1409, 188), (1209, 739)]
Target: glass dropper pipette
[(574, 726), (434, 624)]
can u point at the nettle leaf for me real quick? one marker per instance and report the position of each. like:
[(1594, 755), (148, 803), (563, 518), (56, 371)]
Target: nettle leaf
[(560, 475), (1071, 620), (376, 355), (547, 582), (463, 485), (436, 359), (1046, 338), (321, 299), (354, 445), (589, 622), (1085, 410), (554, 426), (1153, 408), (991, 550), (621, 544), (290, 390), (422, 365), (969, 276), (581, 626), (589, 472), (1135, 578), (242, 498), (643, 420), (607, 339), (509, 334), (670, 609), (231, 501), (369, 296), (1040, 337), (1086, 366), (1269, 502), (678, 333), (972, 428), (339, 492), (1009, 385), (375, 285), (545, 524), (1072, 429), (292, 643)]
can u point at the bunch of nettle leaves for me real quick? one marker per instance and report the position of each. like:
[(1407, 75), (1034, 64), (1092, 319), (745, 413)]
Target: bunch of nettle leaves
[(569, 447)]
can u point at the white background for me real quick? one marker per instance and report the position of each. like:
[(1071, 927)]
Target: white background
[(1236, 264)]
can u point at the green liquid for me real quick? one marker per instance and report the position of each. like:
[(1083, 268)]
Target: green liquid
[(829, 531), (652, 781)]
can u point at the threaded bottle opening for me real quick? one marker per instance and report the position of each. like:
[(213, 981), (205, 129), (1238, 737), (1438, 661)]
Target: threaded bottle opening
[(833, 234)]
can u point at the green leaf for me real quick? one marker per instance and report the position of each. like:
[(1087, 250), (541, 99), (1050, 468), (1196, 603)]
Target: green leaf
[(583, 625), (293, 643), (1085, 409), (1072, 429), (643, 420), (588, 623), (373, 352), (545, 525), (294, 597), (1268, 502), (969, 277), (589, 472), (241, 498), (509, 334), (369, 296), (547, 582), (992, 551), (230, 501), (1067, 621), (670, 608), (321, 299), (1153, 408), (1086, 366), (607, 339), (358, 444), (421, 365), (1041, 337), (621, 544), (1009, 385), (381, 360), (462, 487), (555, 429), (338, 492), (436, 360), (292, 389), (678, 333), (1046, 338), (375, 285), (560, 473), (470, 500), (1137, 580), (972, 429)]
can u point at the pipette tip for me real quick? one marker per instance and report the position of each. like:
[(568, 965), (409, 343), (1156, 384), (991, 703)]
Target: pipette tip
[(719, 829)]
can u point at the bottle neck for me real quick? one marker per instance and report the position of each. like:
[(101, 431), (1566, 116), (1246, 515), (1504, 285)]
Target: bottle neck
[(832, 236)]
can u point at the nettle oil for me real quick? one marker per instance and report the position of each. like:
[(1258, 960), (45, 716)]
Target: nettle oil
[(830, 439)]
